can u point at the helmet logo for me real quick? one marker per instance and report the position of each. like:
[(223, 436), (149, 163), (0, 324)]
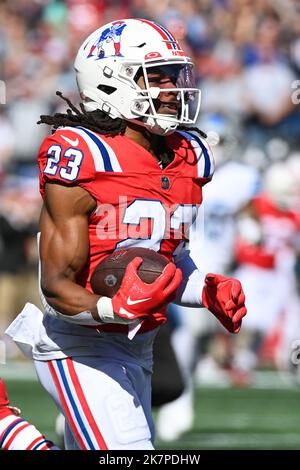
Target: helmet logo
[(111, 35), (152, 55)]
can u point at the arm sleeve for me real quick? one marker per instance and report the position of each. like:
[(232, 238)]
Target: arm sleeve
[(189, 293), (65, 158)]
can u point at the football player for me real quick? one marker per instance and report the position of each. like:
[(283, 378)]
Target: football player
[(124, 170), (15, 432)]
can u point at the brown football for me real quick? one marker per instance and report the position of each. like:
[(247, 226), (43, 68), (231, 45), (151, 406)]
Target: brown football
[(107, 276)]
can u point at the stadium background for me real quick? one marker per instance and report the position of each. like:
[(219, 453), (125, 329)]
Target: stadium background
[(251, 400)]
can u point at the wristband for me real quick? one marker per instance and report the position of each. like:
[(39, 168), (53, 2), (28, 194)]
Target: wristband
[(105, 309), (106, 313)]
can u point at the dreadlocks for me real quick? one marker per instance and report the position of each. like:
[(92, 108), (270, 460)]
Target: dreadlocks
[(195, 129), (98, 121), (163, 152)]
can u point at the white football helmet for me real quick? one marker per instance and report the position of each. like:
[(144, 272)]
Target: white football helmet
[(110, 60)]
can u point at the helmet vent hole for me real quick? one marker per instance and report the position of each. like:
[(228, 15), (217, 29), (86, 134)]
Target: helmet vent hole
[(106, 89), (107, 72)]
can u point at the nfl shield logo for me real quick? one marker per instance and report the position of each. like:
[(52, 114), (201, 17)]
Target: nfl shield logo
[(165, 182)]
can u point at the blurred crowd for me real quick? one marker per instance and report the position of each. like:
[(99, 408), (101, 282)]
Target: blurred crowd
[(247, 57)]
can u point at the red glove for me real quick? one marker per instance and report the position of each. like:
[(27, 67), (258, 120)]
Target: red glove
[(224, 297), (5, 408), (3, 394), (136, 298)]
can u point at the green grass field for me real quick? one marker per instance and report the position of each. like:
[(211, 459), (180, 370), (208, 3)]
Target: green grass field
[(226, 418), (244, 419)]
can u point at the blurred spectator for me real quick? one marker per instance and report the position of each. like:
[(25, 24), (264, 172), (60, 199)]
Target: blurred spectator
[(267, 87), (23, 114), (7, 143), (19, 213)]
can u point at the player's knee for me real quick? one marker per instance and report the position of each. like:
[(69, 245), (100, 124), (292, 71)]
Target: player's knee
[(130, 428)]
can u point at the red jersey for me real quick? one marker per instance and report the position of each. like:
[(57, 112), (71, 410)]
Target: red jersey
[(138, 202), (279, 231)]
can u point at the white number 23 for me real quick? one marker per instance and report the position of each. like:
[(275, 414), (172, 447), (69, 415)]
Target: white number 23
[(68, 172)]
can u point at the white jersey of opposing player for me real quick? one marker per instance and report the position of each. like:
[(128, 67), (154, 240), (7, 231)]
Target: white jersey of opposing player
[(233, 187)]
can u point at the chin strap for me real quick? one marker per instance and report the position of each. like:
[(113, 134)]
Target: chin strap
[(156, 126), (159, 126)]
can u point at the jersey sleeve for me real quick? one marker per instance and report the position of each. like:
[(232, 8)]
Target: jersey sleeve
[(203, 155), (65, 158), (206, 162), (189, 293)]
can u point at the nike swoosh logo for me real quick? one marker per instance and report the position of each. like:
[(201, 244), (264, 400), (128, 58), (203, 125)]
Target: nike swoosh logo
[(133, 302), (72, 142)]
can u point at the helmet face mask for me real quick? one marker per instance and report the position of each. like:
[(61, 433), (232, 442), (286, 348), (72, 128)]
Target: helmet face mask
[(182, 95), (114, 75)]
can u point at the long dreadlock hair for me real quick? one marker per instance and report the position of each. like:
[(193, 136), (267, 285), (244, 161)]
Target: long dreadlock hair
[(98, 121)]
